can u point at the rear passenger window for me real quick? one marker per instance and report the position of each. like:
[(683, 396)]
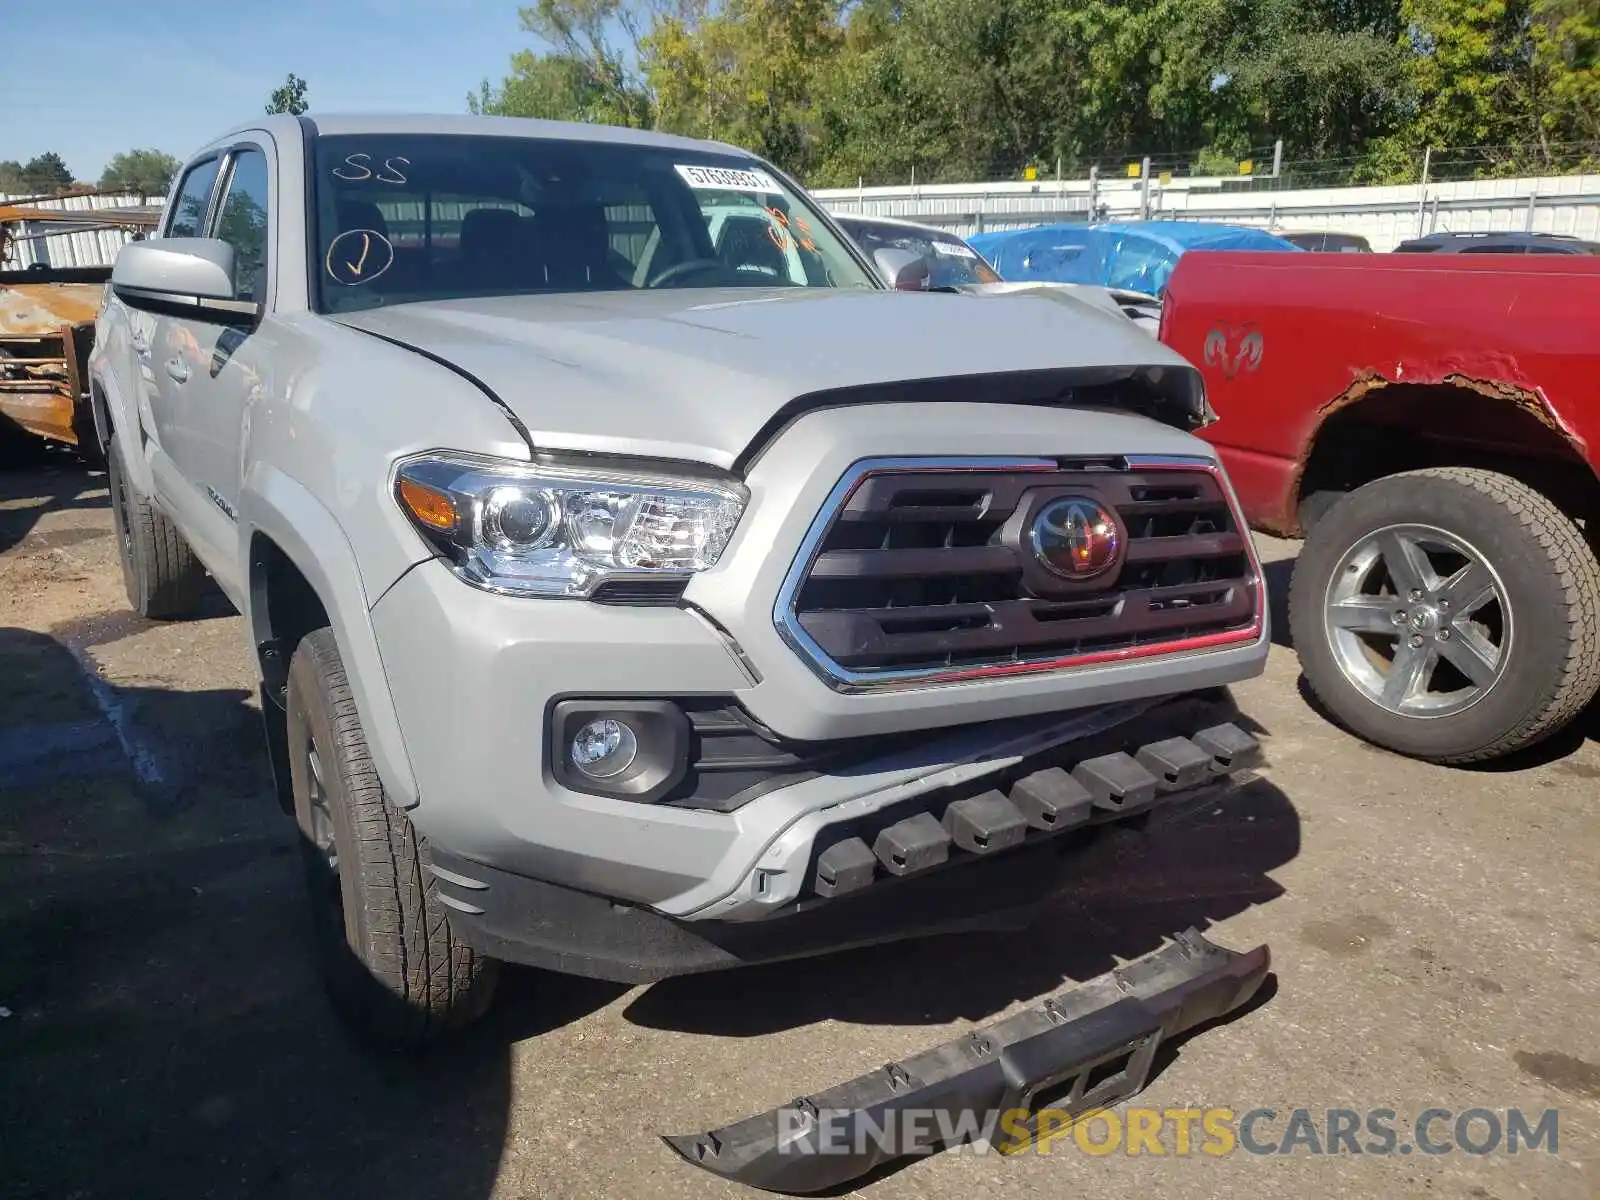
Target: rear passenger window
[(194, 197)]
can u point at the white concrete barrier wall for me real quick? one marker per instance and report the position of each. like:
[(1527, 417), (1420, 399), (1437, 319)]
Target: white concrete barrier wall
[(1385, 216)]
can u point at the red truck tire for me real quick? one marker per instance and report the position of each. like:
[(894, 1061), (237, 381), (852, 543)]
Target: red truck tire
[(1449, 614)]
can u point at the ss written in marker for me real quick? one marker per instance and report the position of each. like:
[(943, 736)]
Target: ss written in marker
[(357, 168)]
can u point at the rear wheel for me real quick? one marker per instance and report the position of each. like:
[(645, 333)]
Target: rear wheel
[(163, 578), (1449, 614), (393, 967)]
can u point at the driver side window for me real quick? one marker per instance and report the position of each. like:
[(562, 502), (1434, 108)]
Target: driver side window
[(242, 223)]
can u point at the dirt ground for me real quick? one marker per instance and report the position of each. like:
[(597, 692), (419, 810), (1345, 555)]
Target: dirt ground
[(1434, 932)]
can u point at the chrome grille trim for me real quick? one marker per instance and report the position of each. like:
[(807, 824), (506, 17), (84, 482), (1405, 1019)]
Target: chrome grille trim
[(846, 680)]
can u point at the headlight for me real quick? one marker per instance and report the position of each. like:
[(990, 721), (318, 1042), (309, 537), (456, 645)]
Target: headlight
[(565, 531)]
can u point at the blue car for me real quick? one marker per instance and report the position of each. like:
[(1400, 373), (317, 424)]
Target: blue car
[(1137, 256)]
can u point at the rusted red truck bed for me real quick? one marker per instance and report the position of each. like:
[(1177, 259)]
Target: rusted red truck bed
[(1285, 340)]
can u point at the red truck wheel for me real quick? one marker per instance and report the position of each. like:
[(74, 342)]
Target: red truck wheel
[(1449, 614)]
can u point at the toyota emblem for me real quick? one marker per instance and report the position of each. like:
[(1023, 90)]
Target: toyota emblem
[(1075, 538)]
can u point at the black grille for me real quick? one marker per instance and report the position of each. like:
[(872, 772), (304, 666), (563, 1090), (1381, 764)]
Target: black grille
[(733, 758), (930, 570)]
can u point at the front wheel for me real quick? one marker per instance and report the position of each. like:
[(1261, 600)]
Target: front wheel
[(392, 966), (1450, 614)]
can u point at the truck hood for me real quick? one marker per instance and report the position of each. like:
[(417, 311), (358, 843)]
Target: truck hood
[(697, 374), (1143, 309)]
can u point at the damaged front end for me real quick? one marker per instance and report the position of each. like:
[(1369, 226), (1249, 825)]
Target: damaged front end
[(1081, 1050)]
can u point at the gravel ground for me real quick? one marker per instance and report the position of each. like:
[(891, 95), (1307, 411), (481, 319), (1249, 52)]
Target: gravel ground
[(1434, 933)]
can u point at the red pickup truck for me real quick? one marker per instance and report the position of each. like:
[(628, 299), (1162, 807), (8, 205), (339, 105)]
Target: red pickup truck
[(1429, 425)]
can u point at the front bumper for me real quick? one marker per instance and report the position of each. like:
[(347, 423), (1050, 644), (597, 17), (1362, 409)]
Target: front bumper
[(540, 924), (473, 677), (982, 853), (1091, 1046)]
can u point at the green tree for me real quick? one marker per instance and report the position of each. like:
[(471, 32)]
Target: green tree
[(1477, 80), (1325, 77), (11, 177), (948, 88), (1137, 78), (836, 90), (551, 86), (143, 172), (581, 32), (289, 97), (1566, 48), (46, 174), (745, 74), (873, 122)]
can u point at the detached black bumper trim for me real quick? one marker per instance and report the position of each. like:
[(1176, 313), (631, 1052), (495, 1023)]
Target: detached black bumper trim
[(1089, 1047)]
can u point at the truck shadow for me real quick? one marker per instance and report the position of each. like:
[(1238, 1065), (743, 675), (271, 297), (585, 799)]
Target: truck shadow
[(40, 479), (1127, 892), (54, 479), (1277, 575), (163, 1019)]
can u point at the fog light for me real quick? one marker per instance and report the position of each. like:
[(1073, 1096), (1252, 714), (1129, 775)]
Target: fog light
[(604, 748), (628, 749)]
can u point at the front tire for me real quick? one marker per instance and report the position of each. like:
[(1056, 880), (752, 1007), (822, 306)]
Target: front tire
[(392, 966), (1449, 614)]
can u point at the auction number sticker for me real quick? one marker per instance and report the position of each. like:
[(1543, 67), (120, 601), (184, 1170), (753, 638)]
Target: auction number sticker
[(727, 179), (954, 250)]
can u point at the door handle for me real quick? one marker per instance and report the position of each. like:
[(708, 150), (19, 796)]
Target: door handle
[(141, 345), (177, 370)]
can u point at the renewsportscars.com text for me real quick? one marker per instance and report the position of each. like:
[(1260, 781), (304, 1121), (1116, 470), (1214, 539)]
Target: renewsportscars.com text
[(1181, 1132)]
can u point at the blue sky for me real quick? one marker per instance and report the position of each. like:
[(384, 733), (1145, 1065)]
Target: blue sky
[(95, 77)]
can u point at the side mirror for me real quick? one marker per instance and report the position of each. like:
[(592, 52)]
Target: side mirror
[(902, 270), (182, 277)]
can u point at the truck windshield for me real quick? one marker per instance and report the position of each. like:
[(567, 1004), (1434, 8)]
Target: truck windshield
[(439, 216)]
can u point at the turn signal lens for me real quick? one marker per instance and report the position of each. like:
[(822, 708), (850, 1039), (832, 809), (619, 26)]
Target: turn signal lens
[(433, 508)]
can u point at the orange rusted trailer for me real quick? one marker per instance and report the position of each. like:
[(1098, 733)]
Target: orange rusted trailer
[(47, 317)]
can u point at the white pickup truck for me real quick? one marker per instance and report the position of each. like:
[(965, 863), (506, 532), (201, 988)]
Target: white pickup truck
[(623, 609)]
